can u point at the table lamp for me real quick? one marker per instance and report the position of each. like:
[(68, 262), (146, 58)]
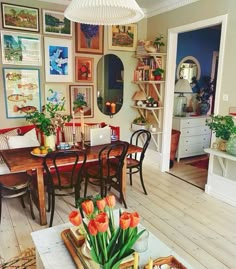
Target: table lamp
[(139, 96), (182, 86)]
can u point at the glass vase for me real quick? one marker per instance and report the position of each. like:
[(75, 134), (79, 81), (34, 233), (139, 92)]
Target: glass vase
[(231, 146)]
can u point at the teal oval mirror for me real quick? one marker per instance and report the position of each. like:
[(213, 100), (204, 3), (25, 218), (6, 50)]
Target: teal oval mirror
[(110, 84)]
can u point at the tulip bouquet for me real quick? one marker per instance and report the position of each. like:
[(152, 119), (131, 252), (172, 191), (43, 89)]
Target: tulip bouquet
[(109, 244)]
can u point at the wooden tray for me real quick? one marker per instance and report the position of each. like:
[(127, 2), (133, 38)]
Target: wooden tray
[(80, 260), (170, 260)]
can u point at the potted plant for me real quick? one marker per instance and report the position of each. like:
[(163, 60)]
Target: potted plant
[(158, 42), (223, 127), (49, 120), (157, 73), (139, 123)]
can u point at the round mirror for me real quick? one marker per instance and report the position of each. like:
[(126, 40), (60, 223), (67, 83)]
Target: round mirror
[(188, 68), (110, 84)]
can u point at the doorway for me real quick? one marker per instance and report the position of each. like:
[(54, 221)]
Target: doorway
[(170, 78)]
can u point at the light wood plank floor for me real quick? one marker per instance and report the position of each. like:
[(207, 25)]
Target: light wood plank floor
[(195, 225)]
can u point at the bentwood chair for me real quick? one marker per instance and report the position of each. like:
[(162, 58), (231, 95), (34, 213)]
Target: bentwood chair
[(107, 171), (142, 139), (16, 185), (63, 180)]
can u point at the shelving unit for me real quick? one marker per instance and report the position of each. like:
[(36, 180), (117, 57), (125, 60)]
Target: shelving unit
[(155, 88)]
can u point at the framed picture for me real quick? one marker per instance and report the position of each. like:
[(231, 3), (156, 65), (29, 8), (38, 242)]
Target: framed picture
[(122, 37), (22, 91), (58, 60), (89, 38), (21, 49), (83, 69), (87, 91), (54, 23), (20, 17), (56, 93)]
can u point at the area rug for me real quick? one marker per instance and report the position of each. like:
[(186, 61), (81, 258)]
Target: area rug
[(26, 260), (203, 164)]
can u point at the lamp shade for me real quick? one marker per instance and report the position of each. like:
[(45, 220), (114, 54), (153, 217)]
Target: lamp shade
[(139, 96), (104, 12), (183, 85)]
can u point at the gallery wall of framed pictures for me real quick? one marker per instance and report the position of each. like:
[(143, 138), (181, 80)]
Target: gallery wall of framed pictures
[(56, 53)]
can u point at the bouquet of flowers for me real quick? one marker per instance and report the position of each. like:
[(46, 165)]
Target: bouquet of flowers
[(109, 244)]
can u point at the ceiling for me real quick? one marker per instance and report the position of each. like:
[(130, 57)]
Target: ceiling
[(150, 7)]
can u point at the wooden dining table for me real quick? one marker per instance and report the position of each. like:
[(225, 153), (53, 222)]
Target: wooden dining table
[(22, 159)]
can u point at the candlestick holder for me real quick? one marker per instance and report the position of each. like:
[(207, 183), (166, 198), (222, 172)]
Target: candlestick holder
[(82, 140), (73, 137)]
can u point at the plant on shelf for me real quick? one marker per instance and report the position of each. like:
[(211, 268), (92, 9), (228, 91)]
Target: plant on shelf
[(140, 120), (158, 42), (157, 73), (222, 126)]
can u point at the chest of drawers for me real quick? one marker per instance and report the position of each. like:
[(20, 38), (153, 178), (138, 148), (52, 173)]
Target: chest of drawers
[(194, 136)]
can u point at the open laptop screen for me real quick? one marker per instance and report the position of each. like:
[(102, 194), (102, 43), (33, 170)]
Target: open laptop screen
[(99, 136)]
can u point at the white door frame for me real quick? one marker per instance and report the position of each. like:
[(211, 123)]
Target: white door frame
[(170, 78)]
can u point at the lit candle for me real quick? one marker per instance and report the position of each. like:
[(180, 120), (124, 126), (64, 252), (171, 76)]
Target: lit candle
[(82, 120), (135, 260), (150, 264), (73, 122)]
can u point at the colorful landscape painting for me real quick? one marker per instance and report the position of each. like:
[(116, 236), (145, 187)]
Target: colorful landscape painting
[(20, 17)]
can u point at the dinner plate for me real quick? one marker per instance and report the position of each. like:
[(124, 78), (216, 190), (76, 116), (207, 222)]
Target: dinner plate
[(38, 155)]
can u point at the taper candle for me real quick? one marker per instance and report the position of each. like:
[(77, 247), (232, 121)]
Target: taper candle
[(82, 120), (150, 264), (136, 257)]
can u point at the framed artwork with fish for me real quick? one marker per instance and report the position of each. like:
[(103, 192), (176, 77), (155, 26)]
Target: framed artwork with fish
[(21, 48), (57, 93), (58, 59), (85, 91), (22, 91), (20, 17)]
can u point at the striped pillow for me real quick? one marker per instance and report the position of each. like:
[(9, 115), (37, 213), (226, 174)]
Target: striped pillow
[(3, 138)]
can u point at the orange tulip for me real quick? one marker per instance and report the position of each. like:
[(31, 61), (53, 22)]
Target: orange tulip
[(111, 201), (102, 222), (134, 219), (88, 207), (75, 218), (92, 228), (101, 204), (125, 220)]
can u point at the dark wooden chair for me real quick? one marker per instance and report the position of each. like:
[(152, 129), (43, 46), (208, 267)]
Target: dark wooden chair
[(63, 180), (107, 171), (16, 185), (142, 139)]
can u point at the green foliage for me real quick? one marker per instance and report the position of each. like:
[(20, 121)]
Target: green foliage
[(158, 71), (79, 102), (140, 120), (158, 41), (49, 119), (222, 126)]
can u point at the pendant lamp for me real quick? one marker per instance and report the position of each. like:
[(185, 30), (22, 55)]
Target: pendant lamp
[(104, 12), (182, 86)]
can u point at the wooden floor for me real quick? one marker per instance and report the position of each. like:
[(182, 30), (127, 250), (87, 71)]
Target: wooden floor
[(183, 170), (195, 225)]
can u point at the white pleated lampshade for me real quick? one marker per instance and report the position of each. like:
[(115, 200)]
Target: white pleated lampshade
[(182, 85), (104, 12)]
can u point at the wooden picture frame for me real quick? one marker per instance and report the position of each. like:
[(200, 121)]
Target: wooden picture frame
[(87, 91), (84, 69), (58, 59), (21, 48), (57, 93), (20, 17), (122, 37), (55, 23), (89, 38), (22, 91)]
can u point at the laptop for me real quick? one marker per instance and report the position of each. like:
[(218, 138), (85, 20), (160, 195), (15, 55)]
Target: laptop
[(99, 136)]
